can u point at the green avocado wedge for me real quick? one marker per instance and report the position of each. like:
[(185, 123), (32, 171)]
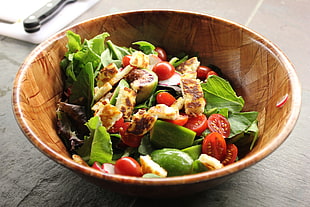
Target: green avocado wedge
[(193, 151), (174, 161), (165, 134)]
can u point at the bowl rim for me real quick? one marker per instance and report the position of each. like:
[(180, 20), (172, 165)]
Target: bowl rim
[(177, 180)]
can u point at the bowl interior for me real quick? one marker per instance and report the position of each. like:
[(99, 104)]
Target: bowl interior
[(256, 68)]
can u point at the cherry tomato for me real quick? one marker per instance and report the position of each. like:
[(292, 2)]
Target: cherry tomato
[(130, 140), (163, 70), (214, 145), (161, 53), (181, 120), (202, 72), (211, 73), (126, 60), (128, 166), (165, 98), (116, 127), (218, 123), (197, 123), (231, 154)]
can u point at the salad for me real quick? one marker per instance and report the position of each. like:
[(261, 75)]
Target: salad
[(137, 111)]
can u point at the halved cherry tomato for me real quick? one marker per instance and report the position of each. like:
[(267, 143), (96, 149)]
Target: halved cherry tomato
[(214, 145), (218, 123), (165, 98), (116, 127), (126, 60), (128, 166), (202, 72), (197, 123), (161, 53), (130, 140), (211, 73), (231, 154), (181, 120), (163, 70)]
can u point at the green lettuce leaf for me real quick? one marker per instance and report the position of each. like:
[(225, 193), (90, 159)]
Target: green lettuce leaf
[(83, 88), (98, 146), (74, 42), (146, 47), (242, 122), (219, 94)]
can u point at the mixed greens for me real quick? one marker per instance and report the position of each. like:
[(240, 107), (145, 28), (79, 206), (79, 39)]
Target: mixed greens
[(116, 115)]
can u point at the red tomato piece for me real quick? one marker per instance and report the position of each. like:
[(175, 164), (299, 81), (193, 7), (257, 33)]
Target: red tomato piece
[(231, 154), (128, 166), (202, 72), (218, 123), (161, 53), (165, 98), (211, 73), (116, 127), (197, 123), (181, 120), (126, 60), (214, 145), (130, 140), (163, 70)]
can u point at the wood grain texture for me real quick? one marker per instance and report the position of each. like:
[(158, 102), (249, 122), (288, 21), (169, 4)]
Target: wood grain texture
[(258, 70)]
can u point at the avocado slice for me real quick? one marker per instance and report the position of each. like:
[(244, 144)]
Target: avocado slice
[(144, 82), (174, 161), (121, 84), (165, 134), (193, 151)]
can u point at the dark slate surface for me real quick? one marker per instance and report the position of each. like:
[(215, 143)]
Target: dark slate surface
[(28, 178)]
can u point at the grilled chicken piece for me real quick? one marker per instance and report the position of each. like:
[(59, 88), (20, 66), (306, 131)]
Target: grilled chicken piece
[(126, 101), (106, 80), (189, 65), (108, 113), (178, 104), (106, 74), (163, 111), (140, 60), (141, 123), (102, 91), (210, 162), (194, 102), (149, 166)]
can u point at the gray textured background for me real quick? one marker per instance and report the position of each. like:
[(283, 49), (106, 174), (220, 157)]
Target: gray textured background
[(28, 178)]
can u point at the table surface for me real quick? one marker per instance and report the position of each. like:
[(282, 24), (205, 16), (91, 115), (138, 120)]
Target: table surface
[(28, 178)]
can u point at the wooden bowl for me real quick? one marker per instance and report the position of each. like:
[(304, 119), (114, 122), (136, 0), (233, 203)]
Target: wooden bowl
[(257, 69)]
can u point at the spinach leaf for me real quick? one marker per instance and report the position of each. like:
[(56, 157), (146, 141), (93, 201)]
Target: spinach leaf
[(146, 47), (175, 61), (83, 88), (117, 52), (145, 147), (242, 122), (219, 94), (114, 54), (253, 130), (98, 146)]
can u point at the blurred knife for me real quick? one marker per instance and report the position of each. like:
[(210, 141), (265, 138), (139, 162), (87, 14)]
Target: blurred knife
[(34, 21)]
